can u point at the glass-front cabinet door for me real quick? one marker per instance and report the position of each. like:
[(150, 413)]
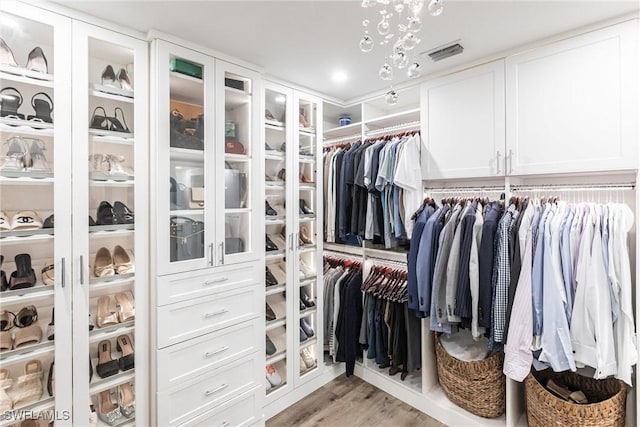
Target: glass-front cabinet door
[(307, 190), (278, 145), (110, 226), (237, 133), (35, 189), (184, 154)]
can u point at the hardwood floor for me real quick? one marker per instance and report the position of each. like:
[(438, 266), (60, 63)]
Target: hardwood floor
[(351, 402)]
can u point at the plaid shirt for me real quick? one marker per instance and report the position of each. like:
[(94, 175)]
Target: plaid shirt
[(502, 273)]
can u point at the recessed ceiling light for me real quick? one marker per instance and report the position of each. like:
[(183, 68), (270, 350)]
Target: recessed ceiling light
[(280, 99), (339, 76)]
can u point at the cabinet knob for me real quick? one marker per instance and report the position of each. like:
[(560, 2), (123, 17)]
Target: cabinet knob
[(208, 393)]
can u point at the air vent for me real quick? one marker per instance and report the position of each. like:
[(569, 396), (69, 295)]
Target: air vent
[(445, 52)]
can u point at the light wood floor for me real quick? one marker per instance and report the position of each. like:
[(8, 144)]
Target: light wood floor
[(351, 402)]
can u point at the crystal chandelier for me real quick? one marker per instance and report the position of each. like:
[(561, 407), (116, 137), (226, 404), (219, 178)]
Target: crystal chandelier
[(398, 28)]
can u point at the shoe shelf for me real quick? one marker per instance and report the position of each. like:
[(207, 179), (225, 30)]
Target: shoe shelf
[(110, 90), (308, 311), (110, 96), (186, 154), (274, 290), (302, 157), (307, 218), (307, 131), (22, 237), (237, 157), (186, 212), (25, 127), (111, 134), (26, 176), (9, 357), (274, 185), (276, 388), (101, 176), (307, 281), (276, 357), (113, 331), (309, 342), (111, 139), (33, 409), (26, 76), (237, 210), (274, 220), (309, 370), (274, 125), (308, 160), (275, 157), (123, 422), (275, 254), (111, 183), (273, 324), (101, 384), (307, 187), (234, 98), (307, 248), (34, 293), (111, 230), (114, 280)]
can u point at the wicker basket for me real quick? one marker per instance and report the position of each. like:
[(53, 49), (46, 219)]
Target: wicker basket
[(478, 386), (545, 409)]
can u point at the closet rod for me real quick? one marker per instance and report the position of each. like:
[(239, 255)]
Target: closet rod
[(394, 128), (386, 262), (575, 187), (452, 190), (334, 141), (343, 253)]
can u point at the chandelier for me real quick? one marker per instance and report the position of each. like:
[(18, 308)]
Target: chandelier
[(398, 27)]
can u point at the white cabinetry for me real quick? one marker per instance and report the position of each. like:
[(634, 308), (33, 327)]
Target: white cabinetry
[(572, 106), (463, 124)]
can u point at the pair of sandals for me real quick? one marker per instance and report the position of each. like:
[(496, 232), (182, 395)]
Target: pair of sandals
[(25, 154), (21, 221), (109, 164), (11, 100), (28, 332), (23, 277), (27, 390), (106, 365), (105, 265), (126, 309), (119, 213), (111, 408), (109, 123)]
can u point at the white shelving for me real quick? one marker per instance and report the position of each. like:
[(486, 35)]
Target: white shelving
[(22, 75), (343, 131)]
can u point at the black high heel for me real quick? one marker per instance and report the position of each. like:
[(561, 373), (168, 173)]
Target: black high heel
[(106, 215), (24, 276), (101, 122), (42, 108), (6, 55), (109, 77), (124, 215), (3, 276), (10, 102), (37, 61), (115, 123)]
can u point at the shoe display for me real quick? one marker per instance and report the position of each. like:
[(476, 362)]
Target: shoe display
[(273, 376), (125, 346), (127, 400), (270, 280), (304, 208), (304, 236), (270, 347), (308, 359), (122, 260), (43, 106), (105, 214), (269, 210), (105, 317), (123, 214), (26, 221), (6, 55), (24, 276), (37, 62), (126, 306), (123, 78), (306, 299), (106, 365), (108, 409), (29, 386), (302, 306), (306, 327), (48, 222), (269, 313), (269, 245), (103, 264), (51, 327), (303, 335)]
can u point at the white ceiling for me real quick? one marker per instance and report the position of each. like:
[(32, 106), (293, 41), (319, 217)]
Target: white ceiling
[(304, 42)]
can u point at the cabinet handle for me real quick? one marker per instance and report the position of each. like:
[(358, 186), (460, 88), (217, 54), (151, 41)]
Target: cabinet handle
[(211, 254), (291, 242), (63, 270), (224, 424), (298, 240), (213, 282), (208, 393), (81, 270), (510, 161), (209, 354), (222, 252), (498, 155), (216, 313)]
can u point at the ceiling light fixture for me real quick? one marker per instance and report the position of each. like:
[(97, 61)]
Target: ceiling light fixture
[(398, 27), (339, 76)]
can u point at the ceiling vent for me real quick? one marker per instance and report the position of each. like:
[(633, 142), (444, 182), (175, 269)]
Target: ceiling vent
[(445, 51)]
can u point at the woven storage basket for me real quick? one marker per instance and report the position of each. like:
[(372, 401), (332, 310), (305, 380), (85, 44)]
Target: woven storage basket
[(478, 386), (545, 409)]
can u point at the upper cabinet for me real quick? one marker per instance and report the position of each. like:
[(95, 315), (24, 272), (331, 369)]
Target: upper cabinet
[(573, 105), (463, 124)]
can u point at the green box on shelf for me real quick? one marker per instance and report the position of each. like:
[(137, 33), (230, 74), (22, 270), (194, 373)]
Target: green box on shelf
[(184, 67)]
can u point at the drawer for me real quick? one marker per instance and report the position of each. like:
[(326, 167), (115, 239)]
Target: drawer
[(209, 391), (189, 319), (187, 360), (191, 285), (243, 410)]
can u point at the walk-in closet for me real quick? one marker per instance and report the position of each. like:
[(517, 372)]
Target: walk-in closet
[(449, 235)]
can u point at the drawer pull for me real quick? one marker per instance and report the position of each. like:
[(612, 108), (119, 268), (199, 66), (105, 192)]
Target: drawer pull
[(216, 313), (209, 393), (209, 354), (213, 282)]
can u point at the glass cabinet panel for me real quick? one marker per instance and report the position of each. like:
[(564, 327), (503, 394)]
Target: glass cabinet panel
[(35, 181)]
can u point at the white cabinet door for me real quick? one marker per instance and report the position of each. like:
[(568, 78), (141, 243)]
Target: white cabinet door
[(573, 105), (463, 124)]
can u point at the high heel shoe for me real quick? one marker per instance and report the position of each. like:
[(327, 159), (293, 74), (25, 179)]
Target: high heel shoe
[(127, 400), (116, 125), (125, 346), (106, 317), (37, 61), (108, 410), (10, 102), (304, 208), (124, 302), (38, 159), (18, 157), (304, 236), (124, 215), (6, 55), (42, 107), (109, 77), (106, 365), (123, 78)]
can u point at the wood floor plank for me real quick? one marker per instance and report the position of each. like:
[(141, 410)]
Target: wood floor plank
[(351, 402)]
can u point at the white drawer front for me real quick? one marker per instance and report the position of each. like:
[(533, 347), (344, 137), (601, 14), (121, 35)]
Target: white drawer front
[(186, 286), (206, 392), (190, 359), (241, 411), (185, 320)]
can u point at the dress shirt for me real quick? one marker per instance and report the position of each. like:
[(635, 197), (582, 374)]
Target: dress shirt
[(566, 261), (591, 323), (536, 278), (485, 264), (615, 307), (474, 274), (462, 302), (517, 350), (413, 256), (409, 177), (502, 274), (453, 265)]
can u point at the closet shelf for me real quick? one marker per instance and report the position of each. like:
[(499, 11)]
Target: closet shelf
[(19, 237), (309, 370), (27, 353), (382, 122), (281, 355), (237, 157), (187, 212), (101, 384), (307, 248), (274, 185), (111, 139), (273, 290), (274, 324), (123, 422), (25, 127), (111, 230), (33, 409), (307, 132), (275, 157), (100, 91), (276, 388), (309, 342), (275, 254), (307, 281), (237, 210), (274, 125), (307, 160), (308, 311), (26, 178), (22, 75), (343, 131), (111, 134), (186, 154), (116, 279), (113, 331), (110, 96), (21, 296), (273, 220), (307, 218), (235, 98)]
